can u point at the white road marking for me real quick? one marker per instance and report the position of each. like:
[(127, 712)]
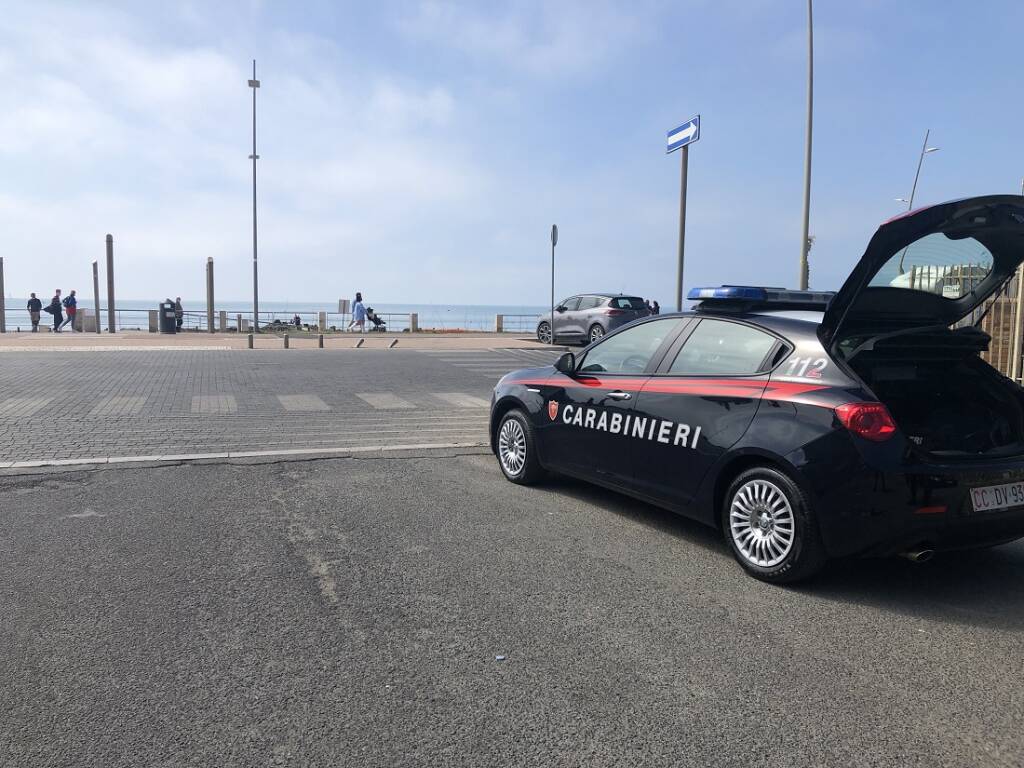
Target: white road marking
[(302, 403), (14, 407), (384, 400), (114, 349), (214, 404), (118, 406), (339, 451), (461, 400)]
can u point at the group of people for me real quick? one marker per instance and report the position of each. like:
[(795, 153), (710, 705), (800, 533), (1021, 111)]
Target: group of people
[(62, 310), (653, 307)]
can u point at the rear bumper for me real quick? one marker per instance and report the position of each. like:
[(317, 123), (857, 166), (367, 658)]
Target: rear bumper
[(882, 504)]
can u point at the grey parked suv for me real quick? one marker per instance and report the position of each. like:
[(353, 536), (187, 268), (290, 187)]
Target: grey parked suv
[(588, 317)]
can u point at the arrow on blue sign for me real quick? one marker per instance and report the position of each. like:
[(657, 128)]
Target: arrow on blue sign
[(687, 133)]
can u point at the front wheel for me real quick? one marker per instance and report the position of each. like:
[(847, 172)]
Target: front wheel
[(544, 333), (771, 527), (517, 449), (596, 333)]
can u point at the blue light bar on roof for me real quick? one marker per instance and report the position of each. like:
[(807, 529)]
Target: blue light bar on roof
[(751, 293), (745, 292)]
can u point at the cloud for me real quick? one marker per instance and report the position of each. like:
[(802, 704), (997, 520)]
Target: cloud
[(540, 38)]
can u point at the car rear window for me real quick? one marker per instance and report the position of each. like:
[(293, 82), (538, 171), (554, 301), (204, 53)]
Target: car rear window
[(628, 302), (937, 264)]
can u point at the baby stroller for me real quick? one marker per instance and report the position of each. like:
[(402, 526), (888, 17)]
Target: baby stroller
[(378, 324)]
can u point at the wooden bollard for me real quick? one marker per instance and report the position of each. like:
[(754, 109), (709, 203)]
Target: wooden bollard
[(393, 343), (250, 341), (359, 343), (320, 341), (286, 341)]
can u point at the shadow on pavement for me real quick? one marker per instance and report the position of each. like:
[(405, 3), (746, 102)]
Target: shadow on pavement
[(976, 587)]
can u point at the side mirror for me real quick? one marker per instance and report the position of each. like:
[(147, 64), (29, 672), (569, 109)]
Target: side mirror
[(561, 308), (566, 364)]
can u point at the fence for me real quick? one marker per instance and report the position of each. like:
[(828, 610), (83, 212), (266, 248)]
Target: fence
[(18, 321), (998, 316)]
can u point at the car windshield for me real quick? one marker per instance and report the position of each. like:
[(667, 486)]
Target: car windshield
[(628, 302), (937, 264)]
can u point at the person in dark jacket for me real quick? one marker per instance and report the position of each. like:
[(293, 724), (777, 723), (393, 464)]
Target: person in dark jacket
[(179, 314), (35, 306), (56, 309), (656, 308), (71, 305)]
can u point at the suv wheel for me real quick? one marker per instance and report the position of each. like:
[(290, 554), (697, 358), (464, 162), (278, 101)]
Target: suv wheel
[(544, 333), (517, 449), (771, 527), (596, 333)]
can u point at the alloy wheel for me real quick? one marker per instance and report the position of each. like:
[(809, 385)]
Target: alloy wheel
[(512, 447), (596, 333), (761, 523), (544, 333)]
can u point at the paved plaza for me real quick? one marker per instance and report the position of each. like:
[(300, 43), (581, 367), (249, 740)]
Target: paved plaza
[(138, 404)]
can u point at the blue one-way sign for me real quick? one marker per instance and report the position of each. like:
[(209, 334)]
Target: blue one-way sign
[(687, 133)]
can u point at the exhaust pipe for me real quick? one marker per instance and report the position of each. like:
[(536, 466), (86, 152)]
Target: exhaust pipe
[(918, 555)]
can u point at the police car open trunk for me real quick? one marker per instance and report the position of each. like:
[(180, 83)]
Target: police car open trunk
[(905, 323)]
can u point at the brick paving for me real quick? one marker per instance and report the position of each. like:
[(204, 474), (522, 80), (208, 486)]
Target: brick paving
[(65, 406)]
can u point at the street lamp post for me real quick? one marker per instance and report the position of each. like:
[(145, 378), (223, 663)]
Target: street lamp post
[(254, 84), (925, 150), (807, 147)]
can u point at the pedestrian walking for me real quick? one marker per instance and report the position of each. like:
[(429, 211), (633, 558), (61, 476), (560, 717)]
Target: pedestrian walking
[(179, 314), (35, 306), (71, 307), (358, 314), (54, 308)]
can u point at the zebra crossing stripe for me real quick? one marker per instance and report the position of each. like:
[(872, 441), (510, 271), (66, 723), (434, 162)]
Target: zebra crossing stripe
[(384, 400), (303, 403), (461, 400)]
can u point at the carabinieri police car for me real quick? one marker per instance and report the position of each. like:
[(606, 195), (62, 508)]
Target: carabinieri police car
[(805, 426)]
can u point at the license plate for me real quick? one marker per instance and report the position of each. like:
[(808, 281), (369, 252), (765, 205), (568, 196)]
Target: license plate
[(993, 497)]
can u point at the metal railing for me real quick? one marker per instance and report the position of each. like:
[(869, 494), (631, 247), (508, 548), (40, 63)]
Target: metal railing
[(19, 321)]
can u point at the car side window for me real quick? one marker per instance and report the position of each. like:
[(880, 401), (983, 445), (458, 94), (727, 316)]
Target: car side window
[(570, 304), (719, 348), (628, 351), (589, 302)]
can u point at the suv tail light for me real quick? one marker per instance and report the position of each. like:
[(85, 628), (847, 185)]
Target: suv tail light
[(615, 311), (868, 420)]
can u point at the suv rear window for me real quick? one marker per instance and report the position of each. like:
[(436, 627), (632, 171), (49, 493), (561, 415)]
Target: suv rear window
[(628, 302)]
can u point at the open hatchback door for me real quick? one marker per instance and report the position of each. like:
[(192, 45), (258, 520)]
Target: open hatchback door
[(932, 266), (905, 323)]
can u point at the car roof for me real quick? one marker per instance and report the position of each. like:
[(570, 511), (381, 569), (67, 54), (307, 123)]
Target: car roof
[(784, 322)]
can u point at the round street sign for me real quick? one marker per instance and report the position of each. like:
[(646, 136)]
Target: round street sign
[(554, 234)]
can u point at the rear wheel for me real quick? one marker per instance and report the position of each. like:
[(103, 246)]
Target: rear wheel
[(771, 527), (517, 449), (596, 333), (544, 333)]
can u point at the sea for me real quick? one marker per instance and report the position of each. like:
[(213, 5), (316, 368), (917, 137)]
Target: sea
[(133, 313)]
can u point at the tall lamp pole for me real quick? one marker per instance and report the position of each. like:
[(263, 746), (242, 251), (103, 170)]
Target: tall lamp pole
[(925, 150), (807, 147), (254, 84)]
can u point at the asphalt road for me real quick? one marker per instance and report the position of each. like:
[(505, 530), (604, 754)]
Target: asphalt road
[(353, 611)]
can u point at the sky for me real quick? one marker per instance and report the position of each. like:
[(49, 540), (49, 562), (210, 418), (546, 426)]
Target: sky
[(419, 151)]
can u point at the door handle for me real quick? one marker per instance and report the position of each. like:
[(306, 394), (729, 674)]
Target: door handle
[(619, 395)]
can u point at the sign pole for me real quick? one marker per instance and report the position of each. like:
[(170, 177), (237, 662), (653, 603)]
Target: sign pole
[(681, 138), (96, 294), (682, 226), (554, 242)]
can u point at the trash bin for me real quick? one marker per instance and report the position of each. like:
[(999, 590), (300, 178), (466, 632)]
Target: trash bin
[(167, 323)]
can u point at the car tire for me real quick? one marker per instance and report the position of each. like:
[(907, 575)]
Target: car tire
[(771, 528), (596, 333), (544, 333), (516, 448)]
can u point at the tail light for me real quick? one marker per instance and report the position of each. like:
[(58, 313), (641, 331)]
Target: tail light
[(868, 420), (615, 311)]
